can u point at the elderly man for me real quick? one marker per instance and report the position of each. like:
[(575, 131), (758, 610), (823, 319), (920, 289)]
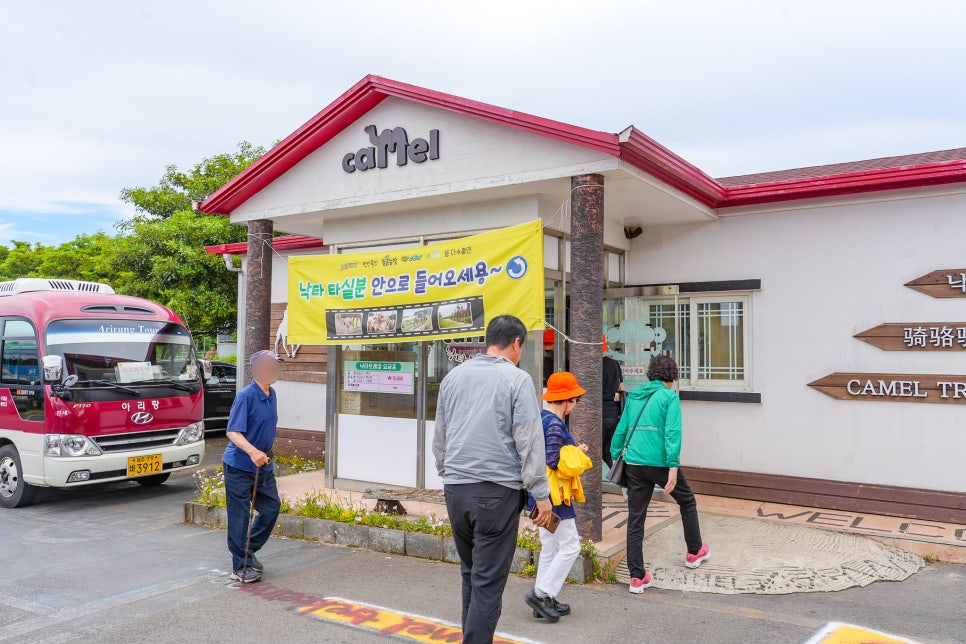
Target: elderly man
[(489, 450), (249, 477)]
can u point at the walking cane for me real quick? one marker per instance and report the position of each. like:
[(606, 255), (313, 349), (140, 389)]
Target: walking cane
[(251, 511)]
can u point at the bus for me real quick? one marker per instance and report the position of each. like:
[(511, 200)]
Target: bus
[(95, 387)]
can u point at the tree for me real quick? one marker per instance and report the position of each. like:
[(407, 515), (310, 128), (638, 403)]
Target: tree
[(176, 190), (165, 261), (161, 253)]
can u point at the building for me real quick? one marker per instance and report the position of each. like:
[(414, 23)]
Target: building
[(818, 314)]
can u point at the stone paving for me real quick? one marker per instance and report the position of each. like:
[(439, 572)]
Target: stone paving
[(760, 557)]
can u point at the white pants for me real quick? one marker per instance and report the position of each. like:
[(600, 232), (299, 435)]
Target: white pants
[(559, 550)]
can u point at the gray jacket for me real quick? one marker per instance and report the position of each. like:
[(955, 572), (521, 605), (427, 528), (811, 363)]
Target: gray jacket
[(488, 427)]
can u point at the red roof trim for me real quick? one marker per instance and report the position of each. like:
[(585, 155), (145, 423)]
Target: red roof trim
[(643, 152), (289, 242), (632, 146), (916, 176), (361, 98)]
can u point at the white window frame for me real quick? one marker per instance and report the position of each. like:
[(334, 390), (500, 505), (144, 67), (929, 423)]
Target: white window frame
[(693, 382)]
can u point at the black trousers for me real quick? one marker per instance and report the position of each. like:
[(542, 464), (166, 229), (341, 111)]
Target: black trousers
[(641, 480), (609, 426), (485, 519), (239, 485)]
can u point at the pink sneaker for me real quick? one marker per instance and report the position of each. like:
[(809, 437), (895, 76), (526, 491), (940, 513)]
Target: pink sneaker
[(693, 561), (638, 585)]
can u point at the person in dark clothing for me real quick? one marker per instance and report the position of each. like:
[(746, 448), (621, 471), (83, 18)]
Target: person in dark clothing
[(611, 409), (248, 463)]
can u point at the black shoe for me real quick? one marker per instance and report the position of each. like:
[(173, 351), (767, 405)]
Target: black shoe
[(542, 607), (246, 575), (255, 564), (562, 609)]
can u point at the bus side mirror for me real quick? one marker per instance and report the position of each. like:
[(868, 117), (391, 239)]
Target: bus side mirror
[(53, 369), (206, 370)]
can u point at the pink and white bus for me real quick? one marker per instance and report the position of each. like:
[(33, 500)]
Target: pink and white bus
[(94, 387)]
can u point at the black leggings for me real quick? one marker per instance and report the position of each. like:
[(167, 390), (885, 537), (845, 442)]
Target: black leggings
[(641, 480)]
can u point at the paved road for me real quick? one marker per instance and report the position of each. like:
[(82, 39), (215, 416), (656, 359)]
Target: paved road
[(115, 564)]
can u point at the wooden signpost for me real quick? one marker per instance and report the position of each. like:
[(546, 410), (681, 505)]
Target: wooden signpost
[(891, 387), (909, 336), (950, 282), (917, 336)]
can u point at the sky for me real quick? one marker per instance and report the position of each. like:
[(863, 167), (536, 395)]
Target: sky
[(96, 96)]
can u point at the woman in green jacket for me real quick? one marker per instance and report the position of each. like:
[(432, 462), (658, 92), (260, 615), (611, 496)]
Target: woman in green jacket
[(651, 429)]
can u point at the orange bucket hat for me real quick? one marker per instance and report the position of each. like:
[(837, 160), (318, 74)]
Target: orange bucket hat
[(603, 342), (548, 338), (563, 386)]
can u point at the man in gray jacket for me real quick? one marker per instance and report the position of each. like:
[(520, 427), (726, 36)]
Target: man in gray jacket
[(489, 451)]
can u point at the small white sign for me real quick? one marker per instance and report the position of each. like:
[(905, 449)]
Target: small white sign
[(134, 371)]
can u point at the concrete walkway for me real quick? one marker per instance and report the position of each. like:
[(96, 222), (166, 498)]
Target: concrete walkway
[(757, 547)]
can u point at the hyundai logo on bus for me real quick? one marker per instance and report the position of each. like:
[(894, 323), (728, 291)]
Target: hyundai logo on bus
[(395, 140), (142, 417)]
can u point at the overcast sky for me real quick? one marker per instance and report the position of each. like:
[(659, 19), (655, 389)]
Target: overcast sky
[(96, 96)]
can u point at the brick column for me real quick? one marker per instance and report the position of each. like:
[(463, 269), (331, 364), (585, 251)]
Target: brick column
[(586, 324), (258, 292)]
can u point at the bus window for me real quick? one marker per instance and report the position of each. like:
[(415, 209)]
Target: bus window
[(21, 373)]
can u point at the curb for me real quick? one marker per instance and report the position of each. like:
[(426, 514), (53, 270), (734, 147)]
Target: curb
[(398, 542)]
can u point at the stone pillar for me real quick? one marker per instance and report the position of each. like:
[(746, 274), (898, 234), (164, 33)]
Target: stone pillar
[(586, 324), (258, 292)]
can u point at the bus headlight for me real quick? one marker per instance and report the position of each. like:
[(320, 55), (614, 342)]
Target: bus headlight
[(191, 434), (59, 445)]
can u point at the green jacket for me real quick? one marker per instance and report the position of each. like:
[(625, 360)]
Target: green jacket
[(657, 441)]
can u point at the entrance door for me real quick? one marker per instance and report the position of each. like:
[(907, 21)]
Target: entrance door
[(640, 324)]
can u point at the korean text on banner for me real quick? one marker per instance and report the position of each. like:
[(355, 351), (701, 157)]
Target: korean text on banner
[(446, 290)]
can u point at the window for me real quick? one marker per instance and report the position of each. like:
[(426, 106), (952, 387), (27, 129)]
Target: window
[(712, 340), (21, 372), (708, 336)]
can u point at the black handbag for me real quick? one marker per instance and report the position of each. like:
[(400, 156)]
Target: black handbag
[(616, 475)]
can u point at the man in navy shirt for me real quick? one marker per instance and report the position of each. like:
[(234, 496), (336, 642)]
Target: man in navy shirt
[(251, 432)]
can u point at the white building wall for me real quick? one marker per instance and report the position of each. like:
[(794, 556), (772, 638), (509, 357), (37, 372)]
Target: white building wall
[(827, 273)]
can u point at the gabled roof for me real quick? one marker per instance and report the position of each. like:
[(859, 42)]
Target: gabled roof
[(631, 146)]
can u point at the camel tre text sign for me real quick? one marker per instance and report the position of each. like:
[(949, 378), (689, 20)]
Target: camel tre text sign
[(889, 387)]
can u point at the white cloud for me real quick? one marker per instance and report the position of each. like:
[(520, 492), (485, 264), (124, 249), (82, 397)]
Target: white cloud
[(102, 95)]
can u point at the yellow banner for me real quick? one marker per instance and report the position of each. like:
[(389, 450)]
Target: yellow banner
[(446, 290)]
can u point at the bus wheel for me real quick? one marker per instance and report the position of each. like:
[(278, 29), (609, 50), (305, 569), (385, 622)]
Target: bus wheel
[(154, 479), (14, 491)]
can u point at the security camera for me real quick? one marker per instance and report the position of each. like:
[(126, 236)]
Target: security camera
[(632, 231)]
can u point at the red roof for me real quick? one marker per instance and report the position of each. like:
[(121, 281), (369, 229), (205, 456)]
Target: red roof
[(631, 145), (288, 242)]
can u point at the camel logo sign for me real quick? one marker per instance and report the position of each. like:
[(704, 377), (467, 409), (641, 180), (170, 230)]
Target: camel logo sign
[(391, 141)]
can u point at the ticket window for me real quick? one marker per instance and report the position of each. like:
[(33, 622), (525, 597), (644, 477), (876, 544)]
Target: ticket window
[(378, 413)]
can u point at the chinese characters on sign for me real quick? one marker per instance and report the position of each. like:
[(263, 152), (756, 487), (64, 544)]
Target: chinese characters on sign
[(917, 336)]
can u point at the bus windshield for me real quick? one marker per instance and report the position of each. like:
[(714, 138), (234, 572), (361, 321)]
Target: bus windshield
[(125, 352)]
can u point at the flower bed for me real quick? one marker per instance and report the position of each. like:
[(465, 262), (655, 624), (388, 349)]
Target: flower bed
[(327, 518)]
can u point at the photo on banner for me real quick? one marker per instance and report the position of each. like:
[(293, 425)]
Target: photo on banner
[(446, 290)]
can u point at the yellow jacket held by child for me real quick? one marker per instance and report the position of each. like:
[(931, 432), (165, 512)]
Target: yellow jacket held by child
[(565, 480)]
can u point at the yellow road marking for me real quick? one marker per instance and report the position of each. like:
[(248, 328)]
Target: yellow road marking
[(836, 633), (386, 621)]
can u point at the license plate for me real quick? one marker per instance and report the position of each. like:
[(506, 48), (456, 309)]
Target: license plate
[(141, 465)]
